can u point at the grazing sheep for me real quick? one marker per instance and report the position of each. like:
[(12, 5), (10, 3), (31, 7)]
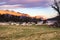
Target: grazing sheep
[(12, 23), (4, 24), (23, 24), (17, 24)]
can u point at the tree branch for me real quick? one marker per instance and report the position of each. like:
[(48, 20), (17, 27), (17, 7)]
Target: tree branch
[(55, 8), (56, 4)]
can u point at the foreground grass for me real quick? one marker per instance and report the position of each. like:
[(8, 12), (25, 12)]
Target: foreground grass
[(13, 32)]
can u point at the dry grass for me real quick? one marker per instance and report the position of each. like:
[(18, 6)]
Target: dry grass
[(13, 32)]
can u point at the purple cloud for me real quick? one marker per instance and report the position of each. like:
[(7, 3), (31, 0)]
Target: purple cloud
[(28, 3), (4, 0), (11, 6)]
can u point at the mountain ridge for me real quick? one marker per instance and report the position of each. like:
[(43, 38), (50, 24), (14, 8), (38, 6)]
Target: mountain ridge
[(18, 14)]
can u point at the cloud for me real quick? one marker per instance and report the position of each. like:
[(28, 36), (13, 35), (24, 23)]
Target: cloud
[(4, 0), (11, 6), (25, 1), (2, 3), (29, 3)]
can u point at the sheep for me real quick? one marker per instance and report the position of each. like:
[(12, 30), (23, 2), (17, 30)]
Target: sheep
[(4, 24)]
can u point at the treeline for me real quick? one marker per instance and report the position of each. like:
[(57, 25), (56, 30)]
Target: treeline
[(21, 19)]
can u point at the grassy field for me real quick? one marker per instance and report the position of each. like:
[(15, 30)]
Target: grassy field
[(13, 32)]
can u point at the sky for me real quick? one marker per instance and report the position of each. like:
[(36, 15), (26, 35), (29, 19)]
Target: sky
[(31, 7)]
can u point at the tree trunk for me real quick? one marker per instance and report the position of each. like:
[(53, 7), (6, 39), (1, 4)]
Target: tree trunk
[(58, 21)]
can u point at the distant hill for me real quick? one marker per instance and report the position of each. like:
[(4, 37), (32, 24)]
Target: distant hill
[(12, 13), (17, 14), (55, 18)]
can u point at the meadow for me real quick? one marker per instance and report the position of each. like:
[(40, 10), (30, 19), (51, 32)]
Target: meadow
[(33, 32)]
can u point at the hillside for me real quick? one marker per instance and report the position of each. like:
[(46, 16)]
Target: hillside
[(12, 13), (17, 13)]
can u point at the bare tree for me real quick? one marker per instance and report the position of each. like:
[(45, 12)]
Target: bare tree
[(56, 7)]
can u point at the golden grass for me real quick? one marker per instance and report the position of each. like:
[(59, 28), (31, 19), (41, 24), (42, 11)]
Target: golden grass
[(12, 32)]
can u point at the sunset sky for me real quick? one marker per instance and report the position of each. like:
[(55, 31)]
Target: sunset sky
[(31, 7)]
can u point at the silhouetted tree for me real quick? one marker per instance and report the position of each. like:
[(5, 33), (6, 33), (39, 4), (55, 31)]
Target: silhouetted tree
[(35, 20), (56, 7), (1, 18), (12, 18)]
